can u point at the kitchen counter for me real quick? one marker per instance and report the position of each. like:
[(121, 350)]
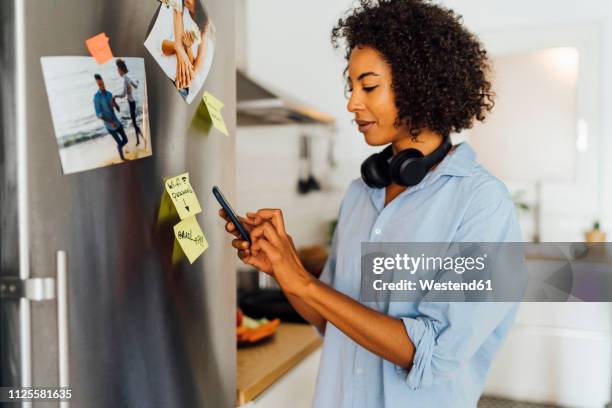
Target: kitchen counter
[(259, 366)]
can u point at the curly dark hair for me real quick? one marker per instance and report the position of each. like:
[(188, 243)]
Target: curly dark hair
[(439, 69)]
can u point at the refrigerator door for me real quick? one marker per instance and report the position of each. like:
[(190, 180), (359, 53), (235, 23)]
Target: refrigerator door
[(10, 364), (139, 332)]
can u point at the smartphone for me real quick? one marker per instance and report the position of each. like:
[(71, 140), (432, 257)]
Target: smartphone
[(230, 212)]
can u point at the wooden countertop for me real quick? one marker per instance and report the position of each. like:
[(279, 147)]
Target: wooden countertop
[(259, 366)]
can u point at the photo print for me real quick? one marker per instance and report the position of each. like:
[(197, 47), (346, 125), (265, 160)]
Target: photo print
[(182, 41), (100, 112)]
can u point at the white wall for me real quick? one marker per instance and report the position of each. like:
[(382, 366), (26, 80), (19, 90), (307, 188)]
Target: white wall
[(274, 151), (541, 94), (568, 208), (288, 46)]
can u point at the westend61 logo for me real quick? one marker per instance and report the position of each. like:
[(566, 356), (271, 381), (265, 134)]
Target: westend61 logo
[(424, 263), (485, 272)]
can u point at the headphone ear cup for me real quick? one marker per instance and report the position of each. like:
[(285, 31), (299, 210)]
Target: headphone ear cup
[(408, 168), (375, 171)]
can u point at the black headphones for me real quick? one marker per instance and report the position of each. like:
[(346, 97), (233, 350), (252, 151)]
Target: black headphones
[(407, 168)]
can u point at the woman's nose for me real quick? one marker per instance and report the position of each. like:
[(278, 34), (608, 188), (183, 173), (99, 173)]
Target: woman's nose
[(354, 104)]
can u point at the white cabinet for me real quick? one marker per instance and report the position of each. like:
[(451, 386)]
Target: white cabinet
[(559, 353), (295, 389)]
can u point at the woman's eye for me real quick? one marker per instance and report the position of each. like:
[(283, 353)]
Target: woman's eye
[(369, 88)]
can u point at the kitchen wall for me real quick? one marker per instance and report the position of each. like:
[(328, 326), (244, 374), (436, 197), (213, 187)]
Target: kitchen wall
[(294, 53), (568, 208), (274, 151)]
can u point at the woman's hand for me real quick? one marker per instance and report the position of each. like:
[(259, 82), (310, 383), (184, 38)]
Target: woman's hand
[(258, 260), (270, 237), (188, 39), (184, 69)]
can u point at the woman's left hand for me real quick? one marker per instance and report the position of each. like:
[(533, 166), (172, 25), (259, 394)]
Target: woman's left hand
[(271, 237)]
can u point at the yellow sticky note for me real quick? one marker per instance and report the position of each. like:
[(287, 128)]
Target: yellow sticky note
[(182, 195), (191, 238), (214, 107), (212, 101)]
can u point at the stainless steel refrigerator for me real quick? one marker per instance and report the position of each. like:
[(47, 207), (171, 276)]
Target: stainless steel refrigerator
[(90, 297)]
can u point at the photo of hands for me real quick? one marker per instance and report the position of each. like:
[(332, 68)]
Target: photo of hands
[(182, 41)]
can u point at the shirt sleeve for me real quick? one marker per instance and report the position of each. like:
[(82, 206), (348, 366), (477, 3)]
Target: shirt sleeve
[(97, 107), (329, 270), (327, 276), (125, 89), (448, 334)]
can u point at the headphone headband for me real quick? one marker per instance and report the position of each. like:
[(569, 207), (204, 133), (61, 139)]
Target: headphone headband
[(437, 155)]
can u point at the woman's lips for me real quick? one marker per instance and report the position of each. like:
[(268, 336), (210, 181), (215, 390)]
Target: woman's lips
[(364, 125)]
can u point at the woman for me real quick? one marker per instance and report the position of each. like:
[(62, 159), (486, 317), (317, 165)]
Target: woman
[(128, 85), (415, 76), (189, 32)]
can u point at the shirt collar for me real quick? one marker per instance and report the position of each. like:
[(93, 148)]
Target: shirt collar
[(458, 163)]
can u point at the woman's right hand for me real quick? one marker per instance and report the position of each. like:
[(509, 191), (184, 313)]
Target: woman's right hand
[(258, 259), (188, 39), (184, 69)]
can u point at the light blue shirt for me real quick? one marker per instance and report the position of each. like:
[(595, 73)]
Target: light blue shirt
[(103, 104), (458, 201)]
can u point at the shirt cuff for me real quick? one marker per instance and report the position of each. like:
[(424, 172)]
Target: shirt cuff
[(422, 335)]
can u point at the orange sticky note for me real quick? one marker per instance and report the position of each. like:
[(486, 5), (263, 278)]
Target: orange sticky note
[(99, 48)]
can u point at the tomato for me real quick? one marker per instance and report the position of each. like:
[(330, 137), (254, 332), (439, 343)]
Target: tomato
[(238, 317)]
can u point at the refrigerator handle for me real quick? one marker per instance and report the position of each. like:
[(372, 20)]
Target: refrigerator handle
[(63, 329)]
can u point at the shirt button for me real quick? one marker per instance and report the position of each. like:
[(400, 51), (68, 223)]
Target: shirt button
[(359, 371), (377, 231)]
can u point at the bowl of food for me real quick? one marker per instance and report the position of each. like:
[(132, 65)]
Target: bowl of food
[(252, 331)]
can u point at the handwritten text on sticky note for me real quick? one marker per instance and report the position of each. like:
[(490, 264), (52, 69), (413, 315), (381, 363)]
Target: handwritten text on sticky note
[(191, 238), (99, 48), (214, 107), (182, 195)]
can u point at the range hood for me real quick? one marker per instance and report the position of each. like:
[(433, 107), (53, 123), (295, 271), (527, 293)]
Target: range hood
[(258, 105)]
